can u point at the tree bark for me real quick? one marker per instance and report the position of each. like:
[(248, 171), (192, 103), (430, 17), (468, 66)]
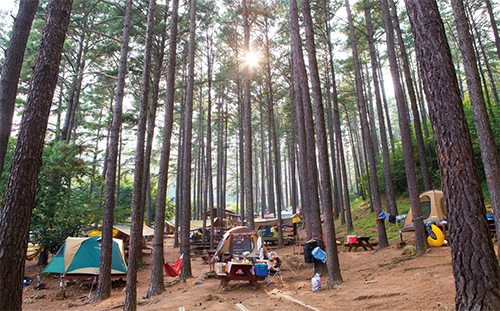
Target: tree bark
[(493, 26), (305, 119), (275, 144), (157, 286), (477, 289), (247, 123), (159, 55), (334, 275), (389, 190), (424, 168), (382, 235), (404, 127), (487, 145), (294, 198), (262, 163), (386, 106), (11, 70), (104, 284), (75, 90), (241, 150), (137, 213), (186, 156), (208, 174), (485, 57), (20, 193)]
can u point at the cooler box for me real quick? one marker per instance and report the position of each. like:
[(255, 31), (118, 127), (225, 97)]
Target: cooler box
[(352, 239), (260, 269)]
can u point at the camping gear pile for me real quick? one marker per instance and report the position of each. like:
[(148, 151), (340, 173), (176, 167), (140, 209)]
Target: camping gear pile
[(240, 256)]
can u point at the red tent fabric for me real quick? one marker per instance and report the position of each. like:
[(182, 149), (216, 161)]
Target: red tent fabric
[(173, 271)]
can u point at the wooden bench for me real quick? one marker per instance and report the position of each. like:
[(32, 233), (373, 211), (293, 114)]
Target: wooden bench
[(363, 242)]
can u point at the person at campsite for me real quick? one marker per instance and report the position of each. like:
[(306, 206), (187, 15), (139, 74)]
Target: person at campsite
[(276, 265)]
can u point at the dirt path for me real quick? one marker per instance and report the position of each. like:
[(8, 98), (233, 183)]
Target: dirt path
[(373, 280)]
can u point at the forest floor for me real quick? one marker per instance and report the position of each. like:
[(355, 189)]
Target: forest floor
[(373, 280)]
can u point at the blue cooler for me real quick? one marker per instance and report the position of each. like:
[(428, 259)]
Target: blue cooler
[(261, 269)]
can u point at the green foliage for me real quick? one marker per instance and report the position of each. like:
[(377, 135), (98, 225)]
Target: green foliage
[(170, 209), (62, 205)]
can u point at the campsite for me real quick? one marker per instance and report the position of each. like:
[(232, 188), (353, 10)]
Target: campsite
[(249, 155), (373, 280), (389, 279)]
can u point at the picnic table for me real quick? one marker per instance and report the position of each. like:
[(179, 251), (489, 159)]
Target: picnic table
[(239, 272), (363, 241)]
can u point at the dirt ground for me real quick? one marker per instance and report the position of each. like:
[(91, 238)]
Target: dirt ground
[(373, 280)]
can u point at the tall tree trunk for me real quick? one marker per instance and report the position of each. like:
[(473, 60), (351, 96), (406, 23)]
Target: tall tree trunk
[(119, 168), (337, 196), (156, 286), (159, 54), (485, 84), (493, 26), (413, 101), (11, 70), (404, 127), (247, 121), (224, 174), (338, 135), (106, 152), (208, 174), (262, 163), (270, 175), (357, 175), (382, 235), (103, 290), (275, 143), (485, 57), (487, 145), (179, 175), (386, 106), (299, 121), (390, 198), (95, 152), (306, 130), (186, 156), (219, 158), (137, 213), (477, 289), (294, 198), (19, 198), (241, 148), (337, 180), (371, 113), (334, 276), (423, 111), (75, 90)]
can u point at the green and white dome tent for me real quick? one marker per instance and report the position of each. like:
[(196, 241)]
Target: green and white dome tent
[(81, 256)]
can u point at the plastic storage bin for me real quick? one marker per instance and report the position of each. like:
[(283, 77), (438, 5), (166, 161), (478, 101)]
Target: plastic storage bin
[(260, 269)]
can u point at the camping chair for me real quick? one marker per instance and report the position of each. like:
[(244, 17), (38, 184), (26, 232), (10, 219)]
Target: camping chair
[(274, 275), (275, 272)]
